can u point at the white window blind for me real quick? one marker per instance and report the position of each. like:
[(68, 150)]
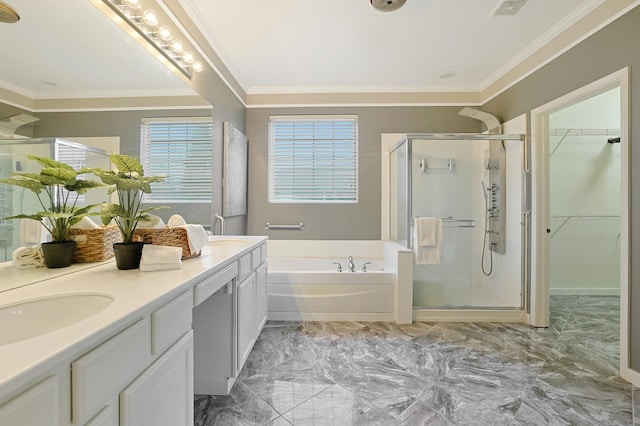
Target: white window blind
[(313, 159), (75, 157), (181, 150)]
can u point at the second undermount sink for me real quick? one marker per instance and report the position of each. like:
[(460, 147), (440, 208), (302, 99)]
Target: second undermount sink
[(35, 317)]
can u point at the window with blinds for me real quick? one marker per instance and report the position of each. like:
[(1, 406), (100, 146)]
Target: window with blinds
[(75, 157), (180, 149), (313, 159)]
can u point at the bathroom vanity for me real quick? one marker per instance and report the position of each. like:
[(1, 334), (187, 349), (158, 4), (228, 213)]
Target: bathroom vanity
[(129, 357)]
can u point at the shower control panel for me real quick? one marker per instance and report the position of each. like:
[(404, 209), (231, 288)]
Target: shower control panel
[(496, 206)]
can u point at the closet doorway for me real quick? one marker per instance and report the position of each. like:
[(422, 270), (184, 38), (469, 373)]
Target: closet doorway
[(580, 201)]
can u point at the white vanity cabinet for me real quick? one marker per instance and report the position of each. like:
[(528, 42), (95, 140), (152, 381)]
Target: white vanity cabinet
[(36, 406), (227, 324), (143, 371)]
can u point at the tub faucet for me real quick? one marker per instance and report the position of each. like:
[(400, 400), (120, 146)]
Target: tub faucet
[(364, 266), (352, 266), (218, 218), (339, 266)]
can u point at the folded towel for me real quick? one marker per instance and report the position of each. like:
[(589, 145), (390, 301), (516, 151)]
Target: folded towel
[(176, 220), (428, 254), (32, 232), (427, 230), (86, 223), (196, 236), (154, 222), (145, 267), (153, 254), (27, 257)]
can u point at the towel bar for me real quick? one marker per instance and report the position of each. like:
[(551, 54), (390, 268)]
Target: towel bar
[(298, 227)]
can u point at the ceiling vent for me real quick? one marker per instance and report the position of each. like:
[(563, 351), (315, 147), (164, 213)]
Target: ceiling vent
[(508, 7)]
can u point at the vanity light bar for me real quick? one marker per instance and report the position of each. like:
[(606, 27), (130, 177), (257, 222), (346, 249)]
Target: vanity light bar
[(146, 23)]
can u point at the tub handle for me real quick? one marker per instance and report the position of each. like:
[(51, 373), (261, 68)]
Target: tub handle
[(339, 266), (364, 266)]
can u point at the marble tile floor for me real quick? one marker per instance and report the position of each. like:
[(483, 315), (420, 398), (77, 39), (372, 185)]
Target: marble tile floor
[(353, 373)]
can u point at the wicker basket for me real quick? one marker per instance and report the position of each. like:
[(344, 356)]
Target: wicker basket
[(174, 237), (94, 245)]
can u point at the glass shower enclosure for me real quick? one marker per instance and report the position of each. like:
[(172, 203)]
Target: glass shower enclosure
[(474, 184), (15, 200)]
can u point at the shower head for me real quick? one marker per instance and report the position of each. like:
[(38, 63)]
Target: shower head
[(489, 120)]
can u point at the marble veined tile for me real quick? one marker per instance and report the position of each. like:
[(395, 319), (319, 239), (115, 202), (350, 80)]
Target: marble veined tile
[(338, 406), (289, 384), (241, 407)]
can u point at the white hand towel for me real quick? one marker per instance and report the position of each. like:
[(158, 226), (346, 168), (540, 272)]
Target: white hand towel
[(428, 255), (27, 257), (196, 236), (86, 223), (427, 230), (144, 267), (32, 232), (176, 220), (153, 254), (154, 222)]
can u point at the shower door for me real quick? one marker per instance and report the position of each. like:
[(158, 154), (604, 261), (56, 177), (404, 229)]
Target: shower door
[(450, 180)]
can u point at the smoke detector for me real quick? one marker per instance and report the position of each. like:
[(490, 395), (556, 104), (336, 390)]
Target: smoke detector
[(387, 5), (508, 7)]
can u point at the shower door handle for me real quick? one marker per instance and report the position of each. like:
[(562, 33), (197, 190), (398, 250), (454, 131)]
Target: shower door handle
[(548, 231)]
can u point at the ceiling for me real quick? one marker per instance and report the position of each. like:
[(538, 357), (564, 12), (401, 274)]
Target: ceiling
[(69, 49)]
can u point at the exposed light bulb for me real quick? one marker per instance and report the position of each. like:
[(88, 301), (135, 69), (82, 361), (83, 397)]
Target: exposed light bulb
[(165, 33), (188, 58), (150, 17), (197, 66), (177, 46)]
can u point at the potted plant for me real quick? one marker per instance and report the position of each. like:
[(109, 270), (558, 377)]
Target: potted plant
[(57, 188), (129, 183)]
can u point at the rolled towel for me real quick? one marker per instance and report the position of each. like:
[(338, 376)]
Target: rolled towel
[(196, 236), (86, 223), (153, 254), (176, 220), (27, 257), (154, 222)]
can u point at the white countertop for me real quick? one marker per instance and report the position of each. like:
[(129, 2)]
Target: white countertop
[(134, 292)]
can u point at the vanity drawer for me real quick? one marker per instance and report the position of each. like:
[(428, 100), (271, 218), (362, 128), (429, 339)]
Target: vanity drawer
[(256, 257), (107, 369), (206, 288), (171, 322), (244, 267)]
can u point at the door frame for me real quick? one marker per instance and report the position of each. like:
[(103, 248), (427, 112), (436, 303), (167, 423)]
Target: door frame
[(539, 308)]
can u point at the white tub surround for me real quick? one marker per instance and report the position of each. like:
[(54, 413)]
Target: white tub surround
[(132, 362), (304, 282)]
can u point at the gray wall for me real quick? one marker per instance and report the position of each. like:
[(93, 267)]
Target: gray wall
[(610, 49), (359, 221)]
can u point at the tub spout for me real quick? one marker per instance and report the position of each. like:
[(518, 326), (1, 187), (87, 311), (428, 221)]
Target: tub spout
[(352, 266)]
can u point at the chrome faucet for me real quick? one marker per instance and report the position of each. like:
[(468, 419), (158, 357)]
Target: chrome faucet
[(218, 218), (351, 265)]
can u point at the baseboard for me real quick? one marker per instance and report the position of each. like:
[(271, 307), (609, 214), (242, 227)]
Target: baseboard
[(340, 316), (470, 315), (584, 292)]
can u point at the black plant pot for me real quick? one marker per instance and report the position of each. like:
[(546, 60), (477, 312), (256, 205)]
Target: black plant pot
[(128, 255), (58, 255)]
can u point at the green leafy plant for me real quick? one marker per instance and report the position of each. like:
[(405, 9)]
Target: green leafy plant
[(57, 187), (130, 183)]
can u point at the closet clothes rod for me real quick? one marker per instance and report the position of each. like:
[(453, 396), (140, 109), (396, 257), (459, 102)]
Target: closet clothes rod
[(568, 218), (298, 227)]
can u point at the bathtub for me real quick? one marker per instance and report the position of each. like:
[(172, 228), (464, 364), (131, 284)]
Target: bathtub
[(304, 284)]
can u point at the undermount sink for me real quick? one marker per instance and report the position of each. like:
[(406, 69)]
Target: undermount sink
[(35, 317)]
